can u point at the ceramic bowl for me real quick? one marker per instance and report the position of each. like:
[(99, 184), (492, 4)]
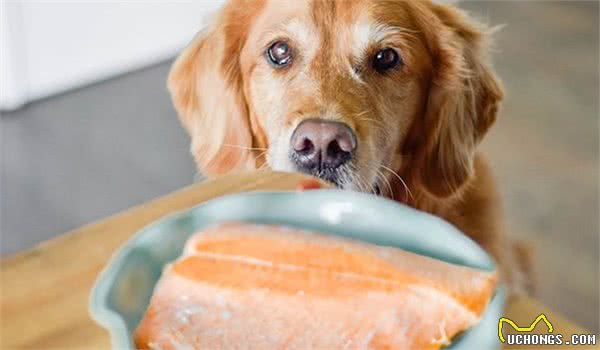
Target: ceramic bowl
[(123, 289)]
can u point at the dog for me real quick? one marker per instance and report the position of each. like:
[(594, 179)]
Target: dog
[(389, 97)]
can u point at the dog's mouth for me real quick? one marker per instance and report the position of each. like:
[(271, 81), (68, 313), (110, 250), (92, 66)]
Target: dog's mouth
[(341, 177), (345, 177)]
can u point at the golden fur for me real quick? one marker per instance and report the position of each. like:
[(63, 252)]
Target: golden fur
[(417, 127)]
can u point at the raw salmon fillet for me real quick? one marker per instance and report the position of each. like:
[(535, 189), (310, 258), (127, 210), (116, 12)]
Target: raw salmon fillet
[(246, 286)]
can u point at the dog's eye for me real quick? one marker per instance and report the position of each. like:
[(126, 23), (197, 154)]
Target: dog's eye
[(279, 54), (386, 59)]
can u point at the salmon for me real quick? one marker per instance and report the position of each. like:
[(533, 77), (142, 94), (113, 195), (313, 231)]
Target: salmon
[(248, 286)]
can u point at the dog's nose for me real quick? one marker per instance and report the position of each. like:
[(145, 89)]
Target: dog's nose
[(320, 144)]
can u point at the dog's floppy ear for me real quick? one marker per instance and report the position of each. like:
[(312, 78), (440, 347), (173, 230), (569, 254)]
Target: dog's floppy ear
[(464, 97), (205, 83)]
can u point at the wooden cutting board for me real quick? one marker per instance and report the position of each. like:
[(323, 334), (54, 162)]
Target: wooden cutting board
[(44, 291)]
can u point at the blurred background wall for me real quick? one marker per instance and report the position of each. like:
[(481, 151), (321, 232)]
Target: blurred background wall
[(47, 47), (83, 152)]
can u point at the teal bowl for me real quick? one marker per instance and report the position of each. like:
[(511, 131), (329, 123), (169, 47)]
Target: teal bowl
[(123, 289)]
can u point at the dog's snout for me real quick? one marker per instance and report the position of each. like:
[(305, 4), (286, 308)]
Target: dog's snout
[(320, 144)]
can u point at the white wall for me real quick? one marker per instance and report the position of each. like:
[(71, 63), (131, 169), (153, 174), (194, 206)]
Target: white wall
[(47, 47)]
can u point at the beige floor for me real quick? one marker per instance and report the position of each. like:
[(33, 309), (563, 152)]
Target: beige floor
[(544, 148)]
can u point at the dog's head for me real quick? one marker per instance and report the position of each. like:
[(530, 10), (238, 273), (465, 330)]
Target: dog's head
[(356, 92)]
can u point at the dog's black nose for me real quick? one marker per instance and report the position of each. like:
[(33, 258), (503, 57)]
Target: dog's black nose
[(319, 144)]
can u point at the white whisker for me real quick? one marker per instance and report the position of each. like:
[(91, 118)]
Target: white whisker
[(382, 176), (379, 124), (401, 180), (262, 154), (246, 148), (365, 184)]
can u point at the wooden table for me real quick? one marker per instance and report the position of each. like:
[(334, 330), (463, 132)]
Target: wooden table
[(45, 290)]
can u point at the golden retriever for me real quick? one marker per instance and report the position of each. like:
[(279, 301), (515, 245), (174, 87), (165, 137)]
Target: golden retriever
[(384, 96)]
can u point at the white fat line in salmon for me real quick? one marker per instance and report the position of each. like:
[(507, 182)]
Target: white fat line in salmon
[(246, 260)]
